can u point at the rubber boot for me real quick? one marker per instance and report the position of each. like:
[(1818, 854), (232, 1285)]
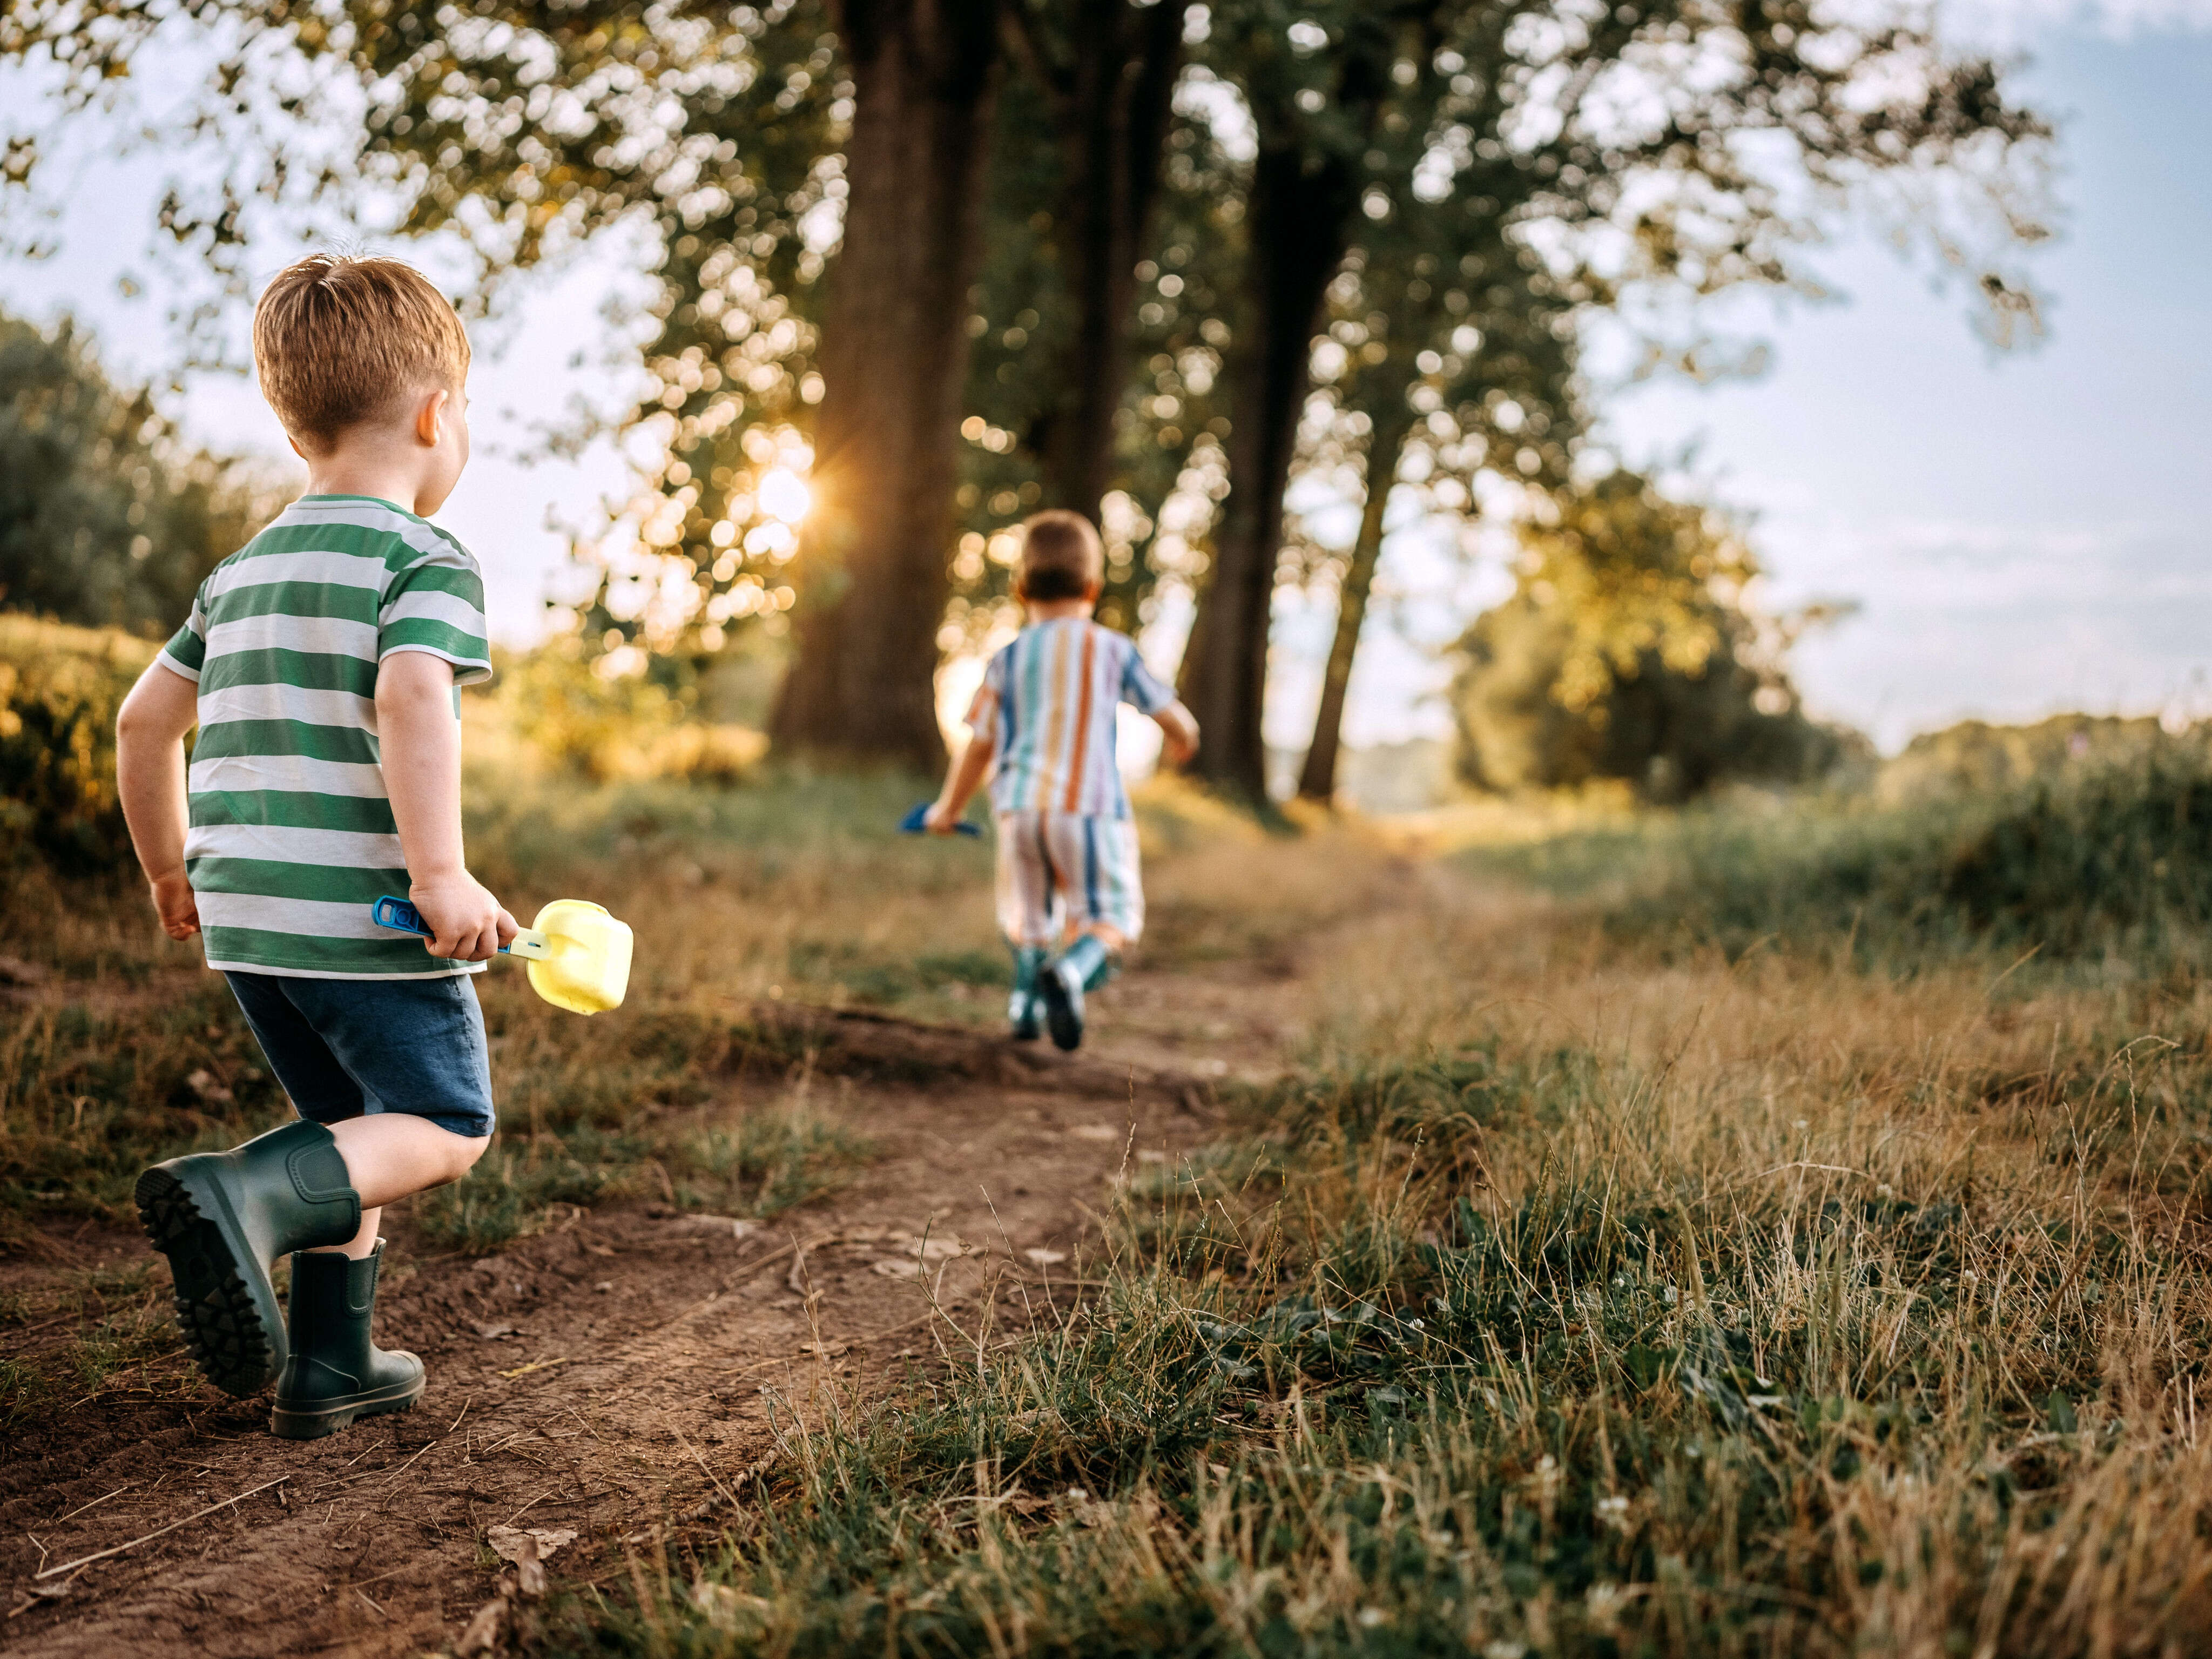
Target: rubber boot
[(222, 1219), (1024, 1011), (335, 1373), (1084, 966)]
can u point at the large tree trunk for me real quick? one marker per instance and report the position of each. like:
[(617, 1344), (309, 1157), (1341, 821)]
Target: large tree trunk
[(1300, 208), (873, 556), (1114, 100), (1299, 223), (1317, 779)]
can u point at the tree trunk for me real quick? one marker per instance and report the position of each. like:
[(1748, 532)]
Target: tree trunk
[(1114, 102), (872, 555), (1297, 239), (1318, 780)]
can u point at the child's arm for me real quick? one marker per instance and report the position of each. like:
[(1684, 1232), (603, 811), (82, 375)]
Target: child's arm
[(421, 740), (1178, 733), (149, 779), (962, 781)]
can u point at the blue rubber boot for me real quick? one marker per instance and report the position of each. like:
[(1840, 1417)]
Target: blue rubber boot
[(1025, 1010), (1084, 966)]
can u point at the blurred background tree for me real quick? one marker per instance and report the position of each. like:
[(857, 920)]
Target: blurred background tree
[(1627, 652), (1655, 141), (108, 518)]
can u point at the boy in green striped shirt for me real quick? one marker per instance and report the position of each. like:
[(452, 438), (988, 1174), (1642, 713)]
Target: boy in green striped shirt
[(320, 664)]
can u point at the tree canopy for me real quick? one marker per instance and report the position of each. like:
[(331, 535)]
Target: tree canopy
[(1155, 261)]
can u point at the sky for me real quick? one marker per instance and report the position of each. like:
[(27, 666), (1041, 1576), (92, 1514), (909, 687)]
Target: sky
[(2024, 531)]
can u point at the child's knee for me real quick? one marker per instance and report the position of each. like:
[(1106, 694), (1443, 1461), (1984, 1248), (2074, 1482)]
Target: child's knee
[(463, 1153)]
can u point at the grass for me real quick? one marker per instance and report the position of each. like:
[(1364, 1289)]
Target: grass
[(1584, 1291), (1595, 1284), (2104, 867)]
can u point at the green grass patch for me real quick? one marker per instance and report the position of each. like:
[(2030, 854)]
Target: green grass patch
[(2107, 866)]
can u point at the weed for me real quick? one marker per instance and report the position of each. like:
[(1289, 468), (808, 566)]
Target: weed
[(767, 1163)]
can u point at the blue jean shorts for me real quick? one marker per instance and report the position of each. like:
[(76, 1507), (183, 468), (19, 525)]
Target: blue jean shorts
[(342, 1048)]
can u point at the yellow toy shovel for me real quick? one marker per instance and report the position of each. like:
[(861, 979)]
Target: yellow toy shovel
[(579, 955)]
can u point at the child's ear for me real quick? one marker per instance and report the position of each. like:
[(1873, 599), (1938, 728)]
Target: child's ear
[(430, 418)]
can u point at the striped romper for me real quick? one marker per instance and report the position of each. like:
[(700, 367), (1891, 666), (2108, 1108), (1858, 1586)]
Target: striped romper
[(1067, 845)]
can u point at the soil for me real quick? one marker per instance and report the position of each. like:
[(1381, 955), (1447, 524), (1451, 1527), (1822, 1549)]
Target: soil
[(620, 1376)]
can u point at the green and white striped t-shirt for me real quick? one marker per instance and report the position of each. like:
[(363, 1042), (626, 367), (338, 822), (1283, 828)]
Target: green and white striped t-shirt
[(292, 838)]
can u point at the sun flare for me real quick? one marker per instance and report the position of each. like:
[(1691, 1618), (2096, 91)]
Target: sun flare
[(784, 496)]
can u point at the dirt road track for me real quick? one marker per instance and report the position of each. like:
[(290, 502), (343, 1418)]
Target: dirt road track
[(607, 1376)]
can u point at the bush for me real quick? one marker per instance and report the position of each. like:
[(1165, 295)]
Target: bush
[(2105, 862), (60, 688)]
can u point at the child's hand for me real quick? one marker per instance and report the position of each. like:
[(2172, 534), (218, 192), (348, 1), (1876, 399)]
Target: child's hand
[(1178, 733), (465, 922), (174, 903), (940, 819)]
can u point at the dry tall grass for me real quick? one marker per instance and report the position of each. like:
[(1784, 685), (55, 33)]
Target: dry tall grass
[(1575, 1300)]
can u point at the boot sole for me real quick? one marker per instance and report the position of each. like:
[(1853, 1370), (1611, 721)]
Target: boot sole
[(226, 1316), (1063, 1016), (287, 1423)]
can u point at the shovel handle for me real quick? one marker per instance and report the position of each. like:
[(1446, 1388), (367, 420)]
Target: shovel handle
[(399, 915), (916, 824)]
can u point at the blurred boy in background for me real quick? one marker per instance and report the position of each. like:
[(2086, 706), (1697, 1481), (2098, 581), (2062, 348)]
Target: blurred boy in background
[(1042, 727)]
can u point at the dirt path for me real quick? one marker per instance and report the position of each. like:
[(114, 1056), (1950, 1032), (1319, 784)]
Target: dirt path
[(609, 1376)]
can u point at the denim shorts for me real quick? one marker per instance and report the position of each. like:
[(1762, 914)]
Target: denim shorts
[(345, 1047)]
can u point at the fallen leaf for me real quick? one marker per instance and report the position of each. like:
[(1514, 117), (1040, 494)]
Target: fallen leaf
[(492, 1332), (726, 1608), (14, 970), (604, 1286), (1046, 1258), (938, 1247), (825, 1350), (738, 1226), (1096, 1131), (1152, 1157), (529, 1570), (482, 1635), (203, 1084), (508, 1542), (894, 1267)]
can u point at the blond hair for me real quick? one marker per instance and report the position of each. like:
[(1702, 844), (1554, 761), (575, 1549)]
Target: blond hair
[(1061, 558), (339, 340)]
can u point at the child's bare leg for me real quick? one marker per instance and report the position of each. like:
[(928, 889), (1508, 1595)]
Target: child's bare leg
[(389, 1155)]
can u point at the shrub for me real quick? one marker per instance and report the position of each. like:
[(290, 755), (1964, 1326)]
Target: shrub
[(60, 688), (2112, 862)]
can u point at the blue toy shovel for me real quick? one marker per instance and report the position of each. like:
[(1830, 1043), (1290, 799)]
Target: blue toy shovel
[(911, 825), (579, 955)]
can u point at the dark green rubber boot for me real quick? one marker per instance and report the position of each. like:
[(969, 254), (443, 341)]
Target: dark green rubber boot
[(222, 1219), (1086, 965), (1025, 1010), (335, 1373)]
